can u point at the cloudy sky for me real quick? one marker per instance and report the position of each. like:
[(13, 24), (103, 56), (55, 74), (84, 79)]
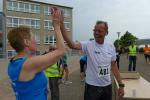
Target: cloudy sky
[(121, 15)]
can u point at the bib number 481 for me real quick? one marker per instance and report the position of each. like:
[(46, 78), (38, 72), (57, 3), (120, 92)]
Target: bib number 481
[(103, 71)]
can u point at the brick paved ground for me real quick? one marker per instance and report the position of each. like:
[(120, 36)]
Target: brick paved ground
[(75, 90)]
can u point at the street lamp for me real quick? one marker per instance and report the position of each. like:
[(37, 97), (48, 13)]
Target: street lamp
[(118, 33)]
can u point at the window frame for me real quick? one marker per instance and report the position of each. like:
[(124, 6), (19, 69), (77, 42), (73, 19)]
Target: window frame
[(13, 53), (67, 28), (37, 24), (50, 26), (11, 6), (47, 11), (37, 37), (51, 39)]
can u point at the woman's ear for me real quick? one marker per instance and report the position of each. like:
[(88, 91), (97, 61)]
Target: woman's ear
[(26, 42)]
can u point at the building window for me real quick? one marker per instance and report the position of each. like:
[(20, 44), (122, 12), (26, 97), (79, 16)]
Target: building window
[(67, 25), (10, 5), (21, 22), (37, 38), (2, 21), (15, 6), (37, 53), (35, 24), (50, 39), (38, 24), (23, 6), (1, 45), (32, 8), (9, 22), (11, 53), (46, 40), (67, 12), (28, 22), (16, 21), (47, 10), (35, 8), (48, 25), (27, 7)]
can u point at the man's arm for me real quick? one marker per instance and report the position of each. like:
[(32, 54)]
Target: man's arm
[(67, 37), (118, 78), (116, 72)]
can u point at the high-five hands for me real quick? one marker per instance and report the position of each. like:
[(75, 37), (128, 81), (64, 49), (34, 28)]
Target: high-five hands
[(56, 16)]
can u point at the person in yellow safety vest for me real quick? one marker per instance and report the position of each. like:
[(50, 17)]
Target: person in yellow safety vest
[(56, 70), (132, 52), (54, 74)]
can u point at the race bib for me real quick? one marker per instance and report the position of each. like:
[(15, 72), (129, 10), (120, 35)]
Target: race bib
[(103, 71)]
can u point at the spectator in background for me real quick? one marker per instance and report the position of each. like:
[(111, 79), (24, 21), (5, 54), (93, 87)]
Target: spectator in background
[(66, 70), (147, 53), (54, 74), (132, 55), (83, 62), (118, 52)]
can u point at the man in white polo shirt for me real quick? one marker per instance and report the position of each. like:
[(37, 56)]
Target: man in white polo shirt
[(101, 57)]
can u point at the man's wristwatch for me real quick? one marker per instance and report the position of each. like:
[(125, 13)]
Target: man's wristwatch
[(121, 85)]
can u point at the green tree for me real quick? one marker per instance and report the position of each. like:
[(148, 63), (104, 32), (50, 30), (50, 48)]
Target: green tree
[(125, 40), (116, 43)]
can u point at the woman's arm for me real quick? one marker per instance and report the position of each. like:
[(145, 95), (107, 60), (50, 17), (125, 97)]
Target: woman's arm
[(37, 64)]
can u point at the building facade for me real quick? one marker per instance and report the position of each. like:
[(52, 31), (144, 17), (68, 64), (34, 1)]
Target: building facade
[(37, 16), (2, 32), (2, 36)]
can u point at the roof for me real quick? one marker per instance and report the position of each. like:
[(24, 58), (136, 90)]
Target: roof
[(35, 1)]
